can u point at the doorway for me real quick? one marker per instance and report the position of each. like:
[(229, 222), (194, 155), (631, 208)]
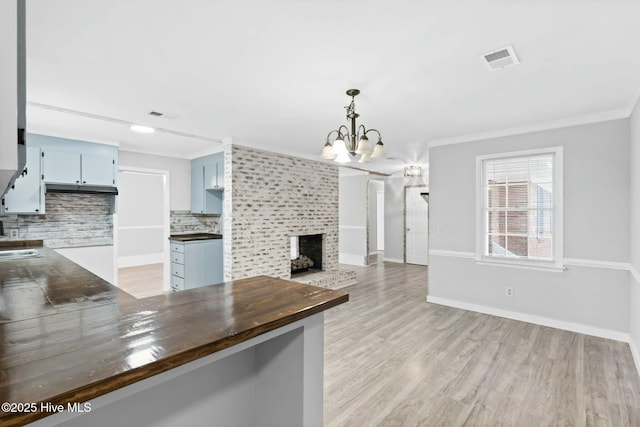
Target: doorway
[(416, 234), (142, 230)]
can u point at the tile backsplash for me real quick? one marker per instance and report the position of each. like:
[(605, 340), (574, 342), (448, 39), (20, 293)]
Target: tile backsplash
[(187, 222), (71, 220)]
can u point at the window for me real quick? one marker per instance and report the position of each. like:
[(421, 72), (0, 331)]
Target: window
[(520, 208)]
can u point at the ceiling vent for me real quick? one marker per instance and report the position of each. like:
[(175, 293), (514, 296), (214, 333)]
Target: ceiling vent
[(156, 113), (501, 58)]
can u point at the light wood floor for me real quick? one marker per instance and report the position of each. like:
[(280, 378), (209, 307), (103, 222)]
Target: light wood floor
[(391, 359), (141, 281)]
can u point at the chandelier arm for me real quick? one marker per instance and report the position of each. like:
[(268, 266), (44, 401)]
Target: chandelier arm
[(329, 134), (376, 131)]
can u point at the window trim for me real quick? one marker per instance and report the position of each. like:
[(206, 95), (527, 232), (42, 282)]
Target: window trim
[(556, 263)]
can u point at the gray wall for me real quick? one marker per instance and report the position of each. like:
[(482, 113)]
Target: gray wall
[(179, 175), (596, 192), (635, 233)]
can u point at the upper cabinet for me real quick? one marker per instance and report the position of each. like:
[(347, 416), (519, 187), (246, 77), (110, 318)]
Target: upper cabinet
[(67, 161), (26, 195), (207, 184), (85, 168)]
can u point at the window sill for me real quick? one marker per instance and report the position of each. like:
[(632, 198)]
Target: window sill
[(522, 265)]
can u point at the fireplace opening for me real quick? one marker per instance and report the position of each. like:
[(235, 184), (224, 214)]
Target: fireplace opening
[(306, 253)]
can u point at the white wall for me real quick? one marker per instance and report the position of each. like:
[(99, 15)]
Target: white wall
[(179, 175), (591, 299), (352, 217), (97, 259), (634, 256)]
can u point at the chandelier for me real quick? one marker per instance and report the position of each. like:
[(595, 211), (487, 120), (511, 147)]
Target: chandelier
[(344, 148)]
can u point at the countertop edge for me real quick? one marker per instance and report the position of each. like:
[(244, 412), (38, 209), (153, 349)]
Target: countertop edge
[(107, 385)]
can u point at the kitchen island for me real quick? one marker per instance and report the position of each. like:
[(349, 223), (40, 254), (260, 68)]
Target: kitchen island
[(77, 351)]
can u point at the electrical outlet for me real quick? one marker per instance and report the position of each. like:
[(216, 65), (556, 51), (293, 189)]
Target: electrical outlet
[(508, 291), (13, 234)]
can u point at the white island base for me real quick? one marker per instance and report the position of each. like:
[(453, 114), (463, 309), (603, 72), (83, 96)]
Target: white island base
[(275, 379)]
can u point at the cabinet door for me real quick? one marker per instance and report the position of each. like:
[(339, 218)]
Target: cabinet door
[(220, 170), (210, 176), (61, 166), (25, 196), (197, 186), (98, 169)]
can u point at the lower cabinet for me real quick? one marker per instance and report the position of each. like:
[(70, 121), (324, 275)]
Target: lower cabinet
[(196, 263)]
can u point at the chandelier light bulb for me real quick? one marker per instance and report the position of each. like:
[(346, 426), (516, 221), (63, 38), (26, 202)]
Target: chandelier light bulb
[(327, 152), (364, 147), (343, 157), (339, 148), (379, 151)]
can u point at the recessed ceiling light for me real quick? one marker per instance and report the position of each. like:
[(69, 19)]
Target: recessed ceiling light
[(142, 129)]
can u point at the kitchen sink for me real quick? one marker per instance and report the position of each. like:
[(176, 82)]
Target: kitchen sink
[(19, 254)]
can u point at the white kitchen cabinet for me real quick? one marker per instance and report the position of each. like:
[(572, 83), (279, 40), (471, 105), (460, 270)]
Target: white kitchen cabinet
[(78, 167), (98, 169), (61, 166), (196, 263), (26, 195), (207, 184)]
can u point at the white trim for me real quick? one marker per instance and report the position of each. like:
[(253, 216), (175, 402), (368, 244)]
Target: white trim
[(593, 263), (603, 116), (634, 273), (454, 254), (576, 262), (141, 227), (352, 259), (352, 227), (398, 260), (536, 320), (522, 265)]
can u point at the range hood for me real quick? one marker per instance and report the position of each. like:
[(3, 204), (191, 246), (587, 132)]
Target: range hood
[(80, 189)]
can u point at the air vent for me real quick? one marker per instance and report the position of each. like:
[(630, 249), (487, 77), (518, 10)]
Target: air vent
[(156, 113), (501, 58)]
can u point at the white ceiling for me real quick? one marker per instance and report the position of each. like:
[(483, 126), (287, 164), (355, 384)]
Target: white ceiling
[(273, 74)]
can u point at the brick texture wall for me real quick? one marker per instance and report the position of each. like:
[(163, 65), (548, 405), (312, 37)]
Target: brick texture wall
[(269, 198)]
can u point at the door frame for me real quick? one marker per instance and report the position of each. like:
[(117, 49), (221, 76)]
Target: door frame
[(166, 220), (404, 218)]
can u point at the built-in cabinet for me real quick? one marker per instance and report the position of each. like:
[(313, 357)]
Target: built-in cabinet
[(195, 263), (80, 166), (207, 184), (26, 196), (59, 161)]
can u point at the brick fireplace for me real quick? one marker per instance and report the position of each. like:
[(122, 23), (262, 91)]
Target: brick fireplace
[(269, 198), (307, 253)]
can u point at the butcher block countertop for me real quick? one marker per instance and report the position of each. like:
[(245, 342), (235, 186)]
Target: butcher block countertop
[(194, 236), (69, 336)]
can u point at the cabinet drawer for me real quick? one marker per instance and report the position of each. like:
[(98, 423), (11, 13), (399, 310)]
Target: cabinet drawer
[(177, 257), (177, 283), (177, 269), (177, 247)]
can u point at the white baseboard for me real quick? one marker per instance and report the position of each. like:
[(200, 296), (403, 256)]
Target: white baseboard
[(537, 320), (132, 261), (352, 259), (401, 261), (635, 354)]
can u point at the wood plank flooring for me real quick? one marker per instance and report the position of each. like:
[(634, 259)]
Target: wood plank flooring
[(392, 359), (141, 281)]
